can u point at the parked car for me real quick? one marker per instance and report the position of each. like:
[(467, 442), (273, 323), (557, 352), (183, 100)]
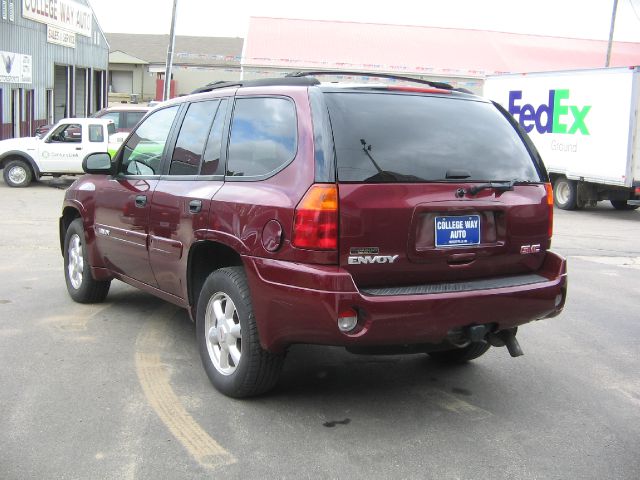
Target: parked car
[(60, 152), (382, 218), (124, 117)]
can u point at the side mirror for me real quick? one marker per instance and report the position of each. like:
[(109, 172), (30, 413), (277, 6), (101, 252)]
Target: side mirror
[(97, 163)]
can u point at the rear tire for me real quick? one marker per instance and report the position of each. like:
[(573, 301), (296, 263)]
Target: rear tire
[(17, 173), (622, 205), (565, 194), (228, 339), (461, 355), (82, 287)]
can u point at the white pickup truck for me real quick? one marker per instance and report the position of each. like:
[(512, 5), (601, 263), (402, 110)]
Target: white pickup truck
[(59, 152)]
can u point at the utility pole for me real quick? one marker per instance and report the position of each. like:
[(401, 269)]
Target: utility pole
[(613, 24), (172, 42)]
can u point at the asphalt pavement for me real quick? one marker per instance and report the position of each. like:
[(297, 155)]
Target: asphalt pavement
[(117, 391)]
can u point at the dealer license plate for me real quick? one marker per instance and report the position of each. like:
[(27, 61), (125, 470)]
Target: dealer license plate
[(457, 231)]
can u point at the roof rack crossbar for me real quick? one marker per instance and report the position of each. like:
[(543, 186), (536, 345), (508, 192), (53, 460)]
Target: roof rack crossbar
[(442, 85)]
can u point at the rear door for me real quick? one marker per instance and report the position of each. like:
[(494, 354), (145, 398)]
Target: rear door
[(407, 164), (182, 198)]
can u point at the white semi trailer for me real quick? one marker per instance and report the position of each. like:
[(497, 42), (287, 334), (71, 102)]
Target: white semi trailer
[(585, 125)]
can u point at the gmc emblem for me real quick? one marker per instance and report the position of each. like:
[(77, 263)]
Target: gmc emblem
[(526, 249)]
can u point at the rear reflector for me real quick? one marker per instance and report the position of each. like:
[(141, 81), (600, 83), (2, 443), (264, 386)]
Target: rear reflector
[(315, 225), (549, 189), (637, 191), (347, 320), (404, 88)]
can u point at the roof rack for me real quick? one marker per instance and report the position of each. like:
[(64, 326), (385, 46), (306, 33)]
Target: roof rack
[(263, 82), (441, 85)]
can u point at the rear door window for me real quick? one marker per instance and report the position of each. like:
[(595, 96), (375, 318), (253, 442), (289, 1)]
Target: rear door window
[(96, 133), (263, 136), (211, 164), (187, 154), (412, 138)]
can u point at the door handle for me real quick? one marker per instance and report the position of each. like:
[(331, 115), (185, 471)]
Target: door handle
[(78, 148), (195, 206), (141, 201), (461, 259)]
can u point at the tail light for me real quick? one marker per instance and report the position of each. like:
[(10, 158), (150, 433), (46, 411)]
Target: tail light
[(315, 224), (549, 189)]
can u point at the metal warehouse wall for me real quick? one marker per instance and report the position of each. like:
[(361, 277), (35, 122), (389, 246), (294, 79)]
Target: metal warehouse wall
[(25, 36)]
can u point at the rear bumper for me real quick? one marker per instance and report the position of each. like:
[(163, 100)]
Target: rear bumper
[(297, 303)]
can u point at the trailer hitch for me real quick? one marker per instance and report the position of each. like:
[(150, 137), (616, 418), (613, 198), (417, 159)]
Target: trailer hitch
[(506, 338)]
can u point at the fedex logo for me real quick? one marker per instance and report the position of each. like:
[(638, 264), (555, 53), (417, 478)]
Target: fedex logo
[(557, 116)]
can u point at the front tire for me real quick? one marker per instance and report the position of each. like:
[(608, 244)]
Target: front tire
[(461, 355), (82, 287), (228, 339), (622, 205), (17, 173)]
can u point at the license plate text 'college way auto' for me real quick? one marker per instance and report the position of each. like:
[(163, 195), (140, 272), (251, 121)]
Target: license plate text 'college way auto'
[(457, 231)]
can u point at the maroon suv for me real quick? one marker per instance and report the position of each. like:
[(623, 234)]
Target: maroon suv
[(383, 218)]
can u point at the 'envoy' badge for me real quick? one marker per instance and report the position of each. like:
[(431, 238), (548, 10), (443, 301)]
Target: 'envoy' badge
[(365, 255)]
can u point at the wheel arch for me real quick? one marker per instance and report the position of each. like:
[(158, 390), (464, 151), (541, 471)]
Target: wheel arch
[(69, 214), (205, 257), (18, 155)]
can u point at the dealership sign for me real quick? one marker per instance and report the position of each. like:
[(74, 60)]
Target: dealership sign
[(61, 37), (65, 14), (15, 68)]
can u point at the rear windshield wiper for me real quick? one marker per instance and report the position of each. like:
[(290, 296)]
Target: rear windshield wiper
[(502, 186)]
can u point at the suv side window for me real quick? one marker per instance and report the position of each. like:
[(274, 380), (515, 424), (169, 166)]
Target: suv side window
[(131, 119), (114, 116), (187, 154), (142, 154), (211, 161), (263, 136)]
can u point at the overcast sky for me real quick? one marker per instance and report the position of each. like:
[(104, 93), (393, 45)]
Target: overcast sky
[(566, 18)]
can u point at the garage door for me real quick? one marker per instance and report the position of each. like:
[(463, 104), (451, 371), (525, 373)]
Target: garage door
[(60, 93), (81, 79), (122, 82)]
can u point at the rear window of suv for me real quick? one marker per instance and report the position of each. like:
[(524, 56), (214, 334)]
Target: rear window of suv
[(412, 138)]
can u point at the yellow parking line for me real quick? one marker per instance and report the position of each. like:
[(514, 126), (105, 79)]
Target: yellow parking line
[(456, 405), (154, 379)]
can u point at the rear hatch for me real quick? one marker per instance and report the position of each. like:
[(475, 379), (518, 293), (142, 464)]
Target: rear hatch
[(434, 187)]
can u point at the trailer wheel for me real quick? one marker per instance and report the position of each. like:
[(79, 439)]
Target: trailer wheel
[(623, 205), (565, 194)]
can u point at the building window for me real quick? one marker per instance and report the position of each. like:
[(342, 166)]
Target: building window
[(12, 12), (4, 9)]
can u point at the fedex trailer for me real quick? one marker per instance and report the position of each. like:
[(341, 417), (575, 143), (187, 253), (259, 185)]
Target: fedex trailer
[(585, 126)]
